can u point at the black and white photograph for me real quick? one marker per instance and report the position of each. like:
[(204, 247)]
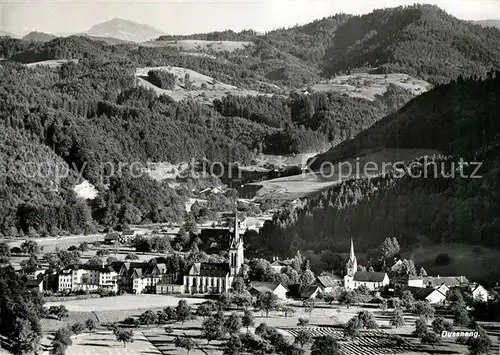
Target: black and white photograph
[(249, 177)]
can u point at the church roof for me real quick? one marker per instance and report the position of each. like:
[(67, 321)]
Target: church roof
[(365, 276), (209, 269)]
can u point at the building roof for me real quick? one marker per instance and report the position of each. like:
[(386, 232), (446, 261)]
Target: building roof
[(328, 280), (34, 283), (365, 276), (128, 232), (278, 263), (112, 236), (263, 287), (308, 291), (101, 268), (450, 281), (421, 293), (209, 269)]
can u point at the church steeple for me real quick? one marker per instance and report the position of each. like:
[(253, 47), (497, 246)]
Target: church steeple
[(236, 254), (352, 264)]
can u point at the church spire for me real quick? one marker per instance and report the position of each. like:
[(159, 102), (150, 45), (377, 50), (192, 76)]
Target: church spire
[(351, 255)]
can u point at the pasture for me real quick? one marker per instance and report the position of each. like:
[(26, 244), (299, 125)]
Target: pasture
[(313, 182)]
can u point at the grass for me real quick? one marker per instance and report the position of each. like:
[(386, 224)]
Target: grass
[(308, 184)]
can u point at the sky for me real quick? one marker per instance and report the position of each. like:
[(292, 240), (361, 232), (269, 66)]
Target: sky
[(185, 16)]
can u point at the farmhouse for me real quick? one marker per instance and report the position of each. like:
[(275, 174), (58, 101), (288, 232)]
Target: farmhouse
[(127, 236), (479, 293), (257, 288), (35, 284), (328, 283), (112, 238), (449, 281), (278, 265), (431, 295), (354, 279), (218, 277)]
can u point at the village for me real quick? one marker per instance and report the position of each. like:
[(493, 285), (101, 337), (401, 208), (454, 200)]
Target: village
[(150, 283)]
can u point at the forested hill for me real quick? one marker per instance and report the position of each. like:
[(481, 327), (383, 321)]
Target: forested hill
[(461, 119), (419, 40)]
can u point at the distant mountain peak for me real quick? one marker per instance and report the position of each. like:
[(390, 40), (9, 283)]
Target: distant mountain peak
[(126, 30)]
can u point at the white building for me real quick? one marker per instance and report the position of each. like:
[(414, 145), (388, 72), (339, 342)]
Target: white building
[(217, 278), (479, 293), (431, 295), (354, 279), (277, 288), (88, 277)]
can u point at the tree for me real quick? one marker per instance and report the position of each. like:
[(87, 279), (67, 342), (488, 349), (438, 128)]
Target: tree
[(481, 344), (63, 336), (303, 337), (247, 320), (102, 252), (59, 311), (407, 300), (171, 313), (212, 329), (423, 309), (267, 301), (183, 311), (148, 317), (389, 249), (420, 327), (90, 324), (302, 322), (77, 328), (439, 324), (4, 253), (297, 262), (168, 329), (95, 260), (325, 345), (131, 257), (307, 276), (233, 346), (124, 336), (83, 247), (430, 338), (397, 319), (287, 310), (134, 322), (184, 342), (232, 324), (422, 272), (352, 327), (348, 298), (205, 309), (383, 305), (30, 247), (367, 320), (461, 317), (238, 285), (110, 260)]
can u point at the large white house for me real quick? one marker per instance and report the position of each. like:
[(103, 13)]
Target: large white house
[(88, 277), (217, 277), (354, 279)]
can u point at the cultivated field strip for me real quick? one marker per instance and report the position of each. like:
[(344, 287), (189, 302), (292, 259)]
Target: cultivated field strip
[(368, 343)]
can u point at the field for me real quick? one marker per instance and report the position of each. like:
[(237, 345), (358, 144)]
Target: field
[(309, 183), (52, 63), (213, 90), (369, 86), (199, 45), (324, 320)]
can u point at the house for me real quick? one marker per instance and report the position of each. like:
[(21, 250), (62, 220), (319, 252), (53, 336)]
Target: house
[(127, 236), (33, 273), (398, 264), (277, 288), (449, 281), (88, 277), (140, 277), (354, 279), (169, 285), (35, 284), (328, 283), (415, 281), (309, 292), (112, 238), (431, 295), (218, 277), (278, 265), (479, 293)]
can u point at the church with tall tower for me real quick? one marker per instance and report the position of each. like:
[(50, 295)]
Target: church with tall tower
[(204, 278), (354, 278)]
